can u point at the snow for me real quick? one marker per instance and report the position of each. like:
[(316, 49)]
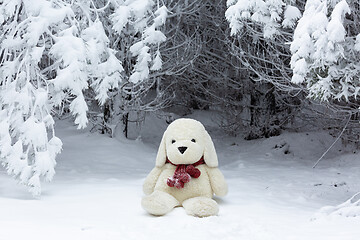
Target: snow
[(120, 18), (141, 67), (291, 14), (161, 14), (81, 117), (322, 46), (350, 208), (153, 36), (273, 191), (357, 43), (300, 66), (157, 63), (335, 28), (266, 13)]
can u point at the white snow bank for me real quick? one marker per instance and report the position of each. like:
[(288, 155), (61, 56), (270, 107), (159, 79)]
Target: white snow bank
[(273, 191)]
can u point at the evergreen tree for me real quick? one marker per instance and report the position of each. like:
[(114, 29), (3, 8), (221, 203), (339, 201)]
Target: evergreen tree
[(52, 55)]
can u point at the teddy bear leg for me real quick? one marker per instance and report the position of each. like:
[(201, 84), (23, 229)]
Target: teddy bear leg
[(201, 206), (159, 203)]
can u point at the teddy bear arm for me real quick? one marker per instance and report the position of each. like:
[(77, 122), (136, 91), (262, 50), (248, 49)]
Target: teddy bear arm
[(151, 179), (217, 181)]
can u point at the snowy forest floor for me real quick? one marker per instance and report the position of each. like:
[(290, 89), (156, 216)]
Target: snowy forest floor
[(273, 191)]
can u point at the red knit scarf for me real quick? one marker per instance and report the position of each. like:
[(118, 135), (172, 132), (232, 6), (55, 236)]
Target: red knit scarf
[(183, 173)]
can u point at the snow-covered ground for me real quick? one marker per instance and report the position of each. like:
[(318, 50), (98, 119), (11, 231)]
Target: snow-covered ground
[(273, 191)]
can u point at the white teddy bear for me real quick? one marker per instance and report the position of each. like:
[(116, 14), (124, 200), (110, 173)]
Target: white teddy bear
[(186, 172)]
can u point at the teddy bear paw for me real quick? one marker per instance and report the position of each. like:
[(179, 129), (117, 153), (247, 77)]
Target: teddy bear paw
[(159, 203), (201, 207)]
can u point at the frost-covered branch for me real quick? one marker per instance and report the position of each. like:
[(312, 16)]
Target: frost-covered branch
[(322, 54), (51, 52)]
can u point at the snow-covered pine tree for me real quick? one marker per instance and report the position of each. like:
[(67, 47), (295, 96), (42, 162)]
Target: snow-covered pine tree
[(323, 61), (50, 52), (25, 149), (136, 35), (261, 31), (271, 15), (324, 55), (139, 16)]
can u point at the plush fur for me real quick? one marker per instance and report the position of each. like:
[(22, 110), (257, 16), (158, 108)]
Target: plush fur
[(196, 196)]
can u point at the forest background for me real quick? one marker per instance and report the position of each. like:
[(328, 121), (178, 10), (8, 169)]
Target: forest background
[(265, 65)]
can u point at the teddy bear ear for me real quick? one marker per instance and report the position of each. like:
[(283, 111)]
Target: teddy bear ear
[(161, 154), (210, 155)]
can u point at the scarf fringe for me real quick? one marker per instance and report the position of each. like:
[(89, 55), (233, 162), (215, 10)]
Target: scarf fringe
[(183, 173)]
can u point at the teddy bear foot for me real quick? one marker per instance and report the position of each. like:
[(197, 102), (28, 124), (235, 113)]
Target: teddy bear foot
[(159, 203), (201, 207)]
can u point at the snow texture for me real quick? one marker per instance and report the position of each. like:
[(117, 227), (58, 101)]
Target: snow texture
[(291, 15), (76, 54), (137, 13), (357, 43), (317, 49), (267, 13), (273, 191)]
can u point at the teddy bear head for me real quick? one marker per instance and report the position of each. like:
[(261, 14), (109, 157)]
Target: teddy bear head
[(185, 141)]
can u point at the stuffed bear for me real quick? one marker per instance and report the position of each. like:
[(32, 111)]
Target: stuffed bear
[(186, 172)]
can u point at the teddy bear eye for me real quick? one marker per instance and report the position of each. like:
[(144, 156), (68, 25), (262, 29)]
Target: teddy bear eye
[(193, 140), (173, 141)]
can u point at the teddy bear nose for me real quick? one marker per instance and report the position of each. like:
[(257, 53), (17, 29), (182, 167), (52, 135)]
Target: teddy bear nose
[(182, 149)]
